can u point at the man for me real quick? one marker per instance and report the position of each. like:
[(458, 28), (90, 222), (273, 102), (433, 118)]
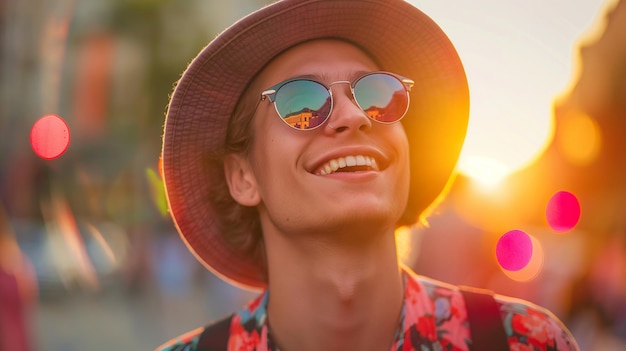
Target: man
[(295, 144)]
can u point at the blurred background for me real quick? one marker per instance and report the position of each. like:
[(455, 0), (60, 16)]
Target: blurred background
[(89, 259)]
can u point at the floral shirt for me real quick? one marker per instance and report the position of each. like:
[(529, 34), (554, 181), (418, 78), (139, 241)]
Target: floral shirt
[(433, 318)]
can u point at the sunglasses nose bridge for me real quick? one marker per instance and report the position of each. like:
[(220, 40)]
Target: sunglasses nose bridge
[(350, 88), (346, 112)]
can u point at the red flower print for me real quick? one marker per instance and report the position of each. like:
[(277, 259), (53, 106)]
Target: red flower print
[(518, 346), (449, 346), (241, 340), (519, 324), (426, 328), (536, 326)]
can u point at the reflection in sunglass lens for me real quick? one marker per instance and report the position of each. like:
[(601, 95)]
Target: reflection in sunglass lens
[(303, 104), (383, 97)]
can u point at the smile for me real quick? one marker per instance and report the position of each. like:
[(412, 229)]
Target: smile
[(348, 164)]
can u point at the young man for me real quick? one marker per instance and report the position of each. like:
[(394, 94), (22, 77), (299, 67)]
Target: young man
[(295, 144)]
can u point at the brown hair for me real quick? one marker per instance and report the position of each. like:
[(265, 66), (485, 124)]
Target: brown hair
[(239, 225)]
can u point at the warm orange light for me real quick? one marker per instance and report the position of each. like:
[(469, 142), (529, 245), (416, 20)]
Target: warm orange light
[(405, 243), (494, 208), (518, 59), (486, 171), (580, 141)]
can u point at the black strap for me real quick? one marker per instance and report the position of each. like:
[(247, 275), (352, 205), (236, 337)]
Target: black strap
[(485, 321), (215, 336)]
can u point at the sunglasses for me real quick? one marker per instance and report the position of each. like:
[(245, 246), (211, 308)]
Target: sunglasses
[(305, 103)]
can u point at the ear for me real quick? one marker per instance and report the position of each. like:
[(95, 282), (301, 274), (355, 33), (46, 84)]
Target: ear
[(241, 181)]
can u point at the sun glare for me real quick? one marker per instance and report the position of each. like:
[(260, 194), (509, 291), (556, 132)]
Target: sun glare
[(519, 59), (486, 171)]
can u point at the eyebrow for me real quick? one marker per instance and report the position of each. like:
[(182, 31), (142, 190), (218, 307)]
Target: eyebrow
[(325, 77)]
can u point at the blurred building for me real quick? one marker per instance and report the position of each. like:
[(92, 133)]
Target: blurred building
[(93, 221), (110, 269), (582, 273)]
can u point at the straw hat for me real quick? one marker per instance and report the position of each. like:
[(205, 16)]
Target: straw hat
[(397, 35)]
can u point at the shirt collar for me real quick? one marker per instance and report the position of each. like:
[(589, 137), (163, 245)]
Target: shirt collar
[(250, 326)]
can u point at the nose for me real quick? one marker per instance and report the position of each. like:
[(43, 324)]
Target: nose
[(346, 114)]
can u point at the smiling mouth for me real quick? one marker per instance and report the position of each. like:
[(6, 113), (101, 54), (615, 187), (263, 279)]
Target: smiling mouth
[(355, 163)]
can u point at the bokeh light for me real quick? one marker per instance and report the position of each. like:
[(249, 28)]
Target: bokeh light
[(563, 211), (581, 139), (98, 241), (50, 137), (534, 266), (514, 250)]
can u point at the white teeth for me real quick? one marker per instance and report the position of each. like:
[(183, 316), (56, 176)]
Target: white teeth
[(351, 161), (348, 161), (328, 169)]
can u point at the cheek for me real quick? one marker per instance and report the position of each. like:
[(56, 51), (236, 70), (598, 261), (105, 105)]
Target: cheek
[(406, 170), (400, 141), (262, 148), (403, 149), (272, 158)]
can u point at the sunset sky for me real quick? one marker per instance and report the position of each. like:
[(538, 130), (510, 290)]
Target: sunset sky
[(519, 56)]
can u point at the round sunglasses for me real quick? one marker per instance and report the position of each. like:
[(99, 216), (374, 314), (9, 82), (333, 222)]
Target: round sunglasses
[(305, 103)]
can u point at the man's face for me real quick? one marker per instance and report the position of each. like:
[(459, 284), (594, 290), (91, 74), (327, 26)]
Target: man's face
[(294, 195)]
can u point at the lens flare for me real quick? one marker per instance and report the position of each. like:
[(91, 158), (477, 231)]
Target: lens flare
[(534, 266), (514, 250), (563, 211), (50, 137), (486, 171)]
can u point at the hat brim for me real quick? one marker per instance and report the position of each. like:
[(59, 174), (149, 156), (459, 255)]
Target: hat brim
[(401, 38)]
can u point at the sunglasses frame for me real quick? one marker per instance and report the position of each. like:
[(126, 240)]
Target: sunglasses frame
[(270, 94)]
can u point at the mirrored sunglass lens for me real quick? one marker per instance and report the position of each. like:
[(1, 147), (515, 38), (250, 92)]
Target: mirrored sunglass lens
[(382, 97), (303, 104)]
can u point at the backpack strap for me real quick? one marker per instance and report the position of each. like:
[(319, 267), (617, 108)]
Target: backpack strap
[(485, 322), (215, 336)]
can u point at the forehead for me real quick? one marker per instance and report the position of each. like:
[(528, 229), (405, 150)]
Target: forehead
[(326, 59)]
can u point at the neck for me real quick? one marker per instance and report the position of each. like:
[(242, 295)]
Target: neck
[(325, 294)]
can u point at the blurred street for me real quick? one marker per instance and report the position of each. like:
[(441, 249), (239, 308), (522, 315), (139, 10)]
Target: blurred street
[(90, 259), (121, 319)]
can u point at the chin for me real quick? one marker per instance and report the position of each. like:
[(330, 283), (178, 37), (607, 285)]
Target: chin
[(369, 220)]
